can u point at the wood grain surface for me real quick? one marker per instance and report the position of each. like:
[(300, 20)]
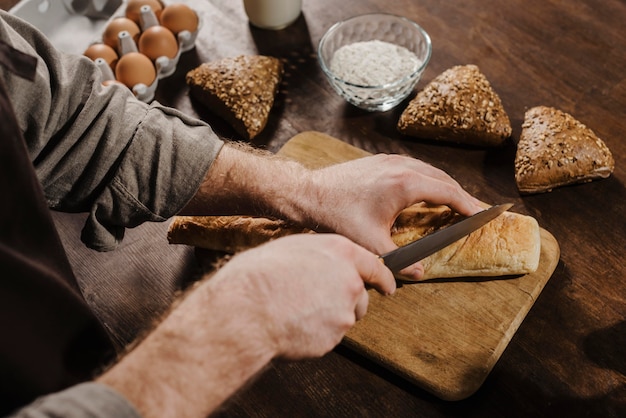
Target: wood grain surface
[(442, 335), (567, 357)]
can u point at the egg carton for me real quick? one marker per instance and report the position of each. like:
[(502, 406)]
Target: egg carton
[(73, 29), (69, 25), (164, 65)]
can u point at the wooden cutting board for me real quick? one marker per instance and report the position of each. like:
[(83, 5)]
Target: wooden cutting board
[(444, 336)]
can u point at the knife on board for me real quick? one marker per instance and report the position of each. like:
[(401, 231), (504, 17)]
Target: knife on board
[(417, 250)]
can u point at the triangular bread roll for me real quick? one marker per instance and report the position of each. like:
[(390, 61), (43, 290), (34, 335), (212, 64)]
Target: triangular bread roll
[(556, 150), (458, 106), (240, 90), (508, 245)]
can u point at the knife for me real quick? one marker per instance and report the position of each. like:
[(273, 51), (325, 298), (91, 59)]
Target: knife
[(417, 250)]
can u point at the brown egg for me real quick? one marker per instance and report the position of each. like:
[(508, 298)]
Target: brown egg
[(179, 17), (116, 26), (103, 51), (134, 68), (158, 41), (133, 7)]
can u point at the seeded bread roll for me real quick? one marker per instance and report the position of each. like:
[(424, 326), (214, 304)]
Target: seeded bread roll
[(240, 90), (556, 150), (508, 245), (457, 106)]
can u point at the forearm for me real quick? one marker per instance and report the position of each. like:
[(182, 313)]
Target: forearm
[(206, 349), (359, 199), (292, 298), (245, 181)]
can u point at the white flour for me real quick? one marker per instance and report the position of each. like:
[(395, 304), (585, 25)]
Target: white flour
[(373, 63)]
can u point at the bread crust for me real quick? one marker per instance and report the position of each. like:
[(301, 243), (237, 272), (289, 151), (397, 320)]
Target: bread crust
[(556, 150), (508, 245), (230, 234), (459, 106), (241, 90)]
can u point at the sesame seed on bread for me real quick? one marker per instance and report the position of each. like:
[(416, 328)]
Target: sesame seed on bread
[(241, 90), (557, 150), (458, 106)]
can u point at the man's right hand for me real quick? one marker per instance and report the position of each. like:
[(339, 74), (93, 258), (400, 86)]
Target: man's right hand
[(309, 288), (292, 298)]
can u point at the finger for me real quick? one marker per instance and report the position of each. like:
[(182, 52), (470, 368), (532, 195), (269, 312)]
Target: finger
[(374, 273), (361, 306), (432, 171), (414, 272), (423, 168), (442, 188), (444, 193)]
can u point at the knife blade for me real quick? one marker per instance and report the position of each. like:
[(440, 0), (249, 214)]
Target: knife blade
[(417, 250)]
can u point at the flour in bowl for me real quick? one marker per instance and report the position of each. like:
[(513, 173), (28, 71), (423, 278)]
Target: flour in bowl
[(373, 63)]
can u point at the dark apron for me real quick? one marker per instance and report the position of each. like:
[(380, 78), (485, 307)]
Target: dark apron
[(49, 339)]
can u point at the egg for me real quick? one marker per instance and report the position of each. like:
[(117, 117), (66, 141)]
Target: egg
[(133, 9), (103, 51), (117, 25), (134, 68), (158, 41), (179, 17)]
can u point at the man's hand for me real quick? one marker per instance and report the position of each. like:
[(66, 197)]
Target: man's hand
[(310, 289), (362, 198), (359, 199), (291, 298)]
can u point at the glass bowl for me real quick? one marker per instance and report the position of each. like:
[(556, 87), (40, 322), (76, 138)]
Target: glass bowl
[(388, 28)]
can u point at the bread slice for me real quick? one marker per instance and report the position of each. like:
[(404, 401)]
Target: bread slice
[(557, 150), (241, 90), (508, 245), (458, 106)]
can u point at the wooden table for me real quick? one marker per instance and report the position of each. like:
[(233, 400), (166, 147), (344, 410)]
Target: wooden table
[(569, 356)]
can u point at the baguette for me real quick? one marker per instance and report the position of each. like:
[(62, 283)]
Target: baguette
[(508, 245), (230, 234)]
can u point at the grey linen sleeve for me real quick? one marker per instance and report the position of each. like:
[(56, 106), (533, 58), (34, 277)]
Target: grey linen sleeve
[(87, 400), (98, 149)]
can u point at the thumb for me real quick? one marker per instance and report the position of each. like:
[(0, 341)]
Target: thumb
[(414, 272)]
